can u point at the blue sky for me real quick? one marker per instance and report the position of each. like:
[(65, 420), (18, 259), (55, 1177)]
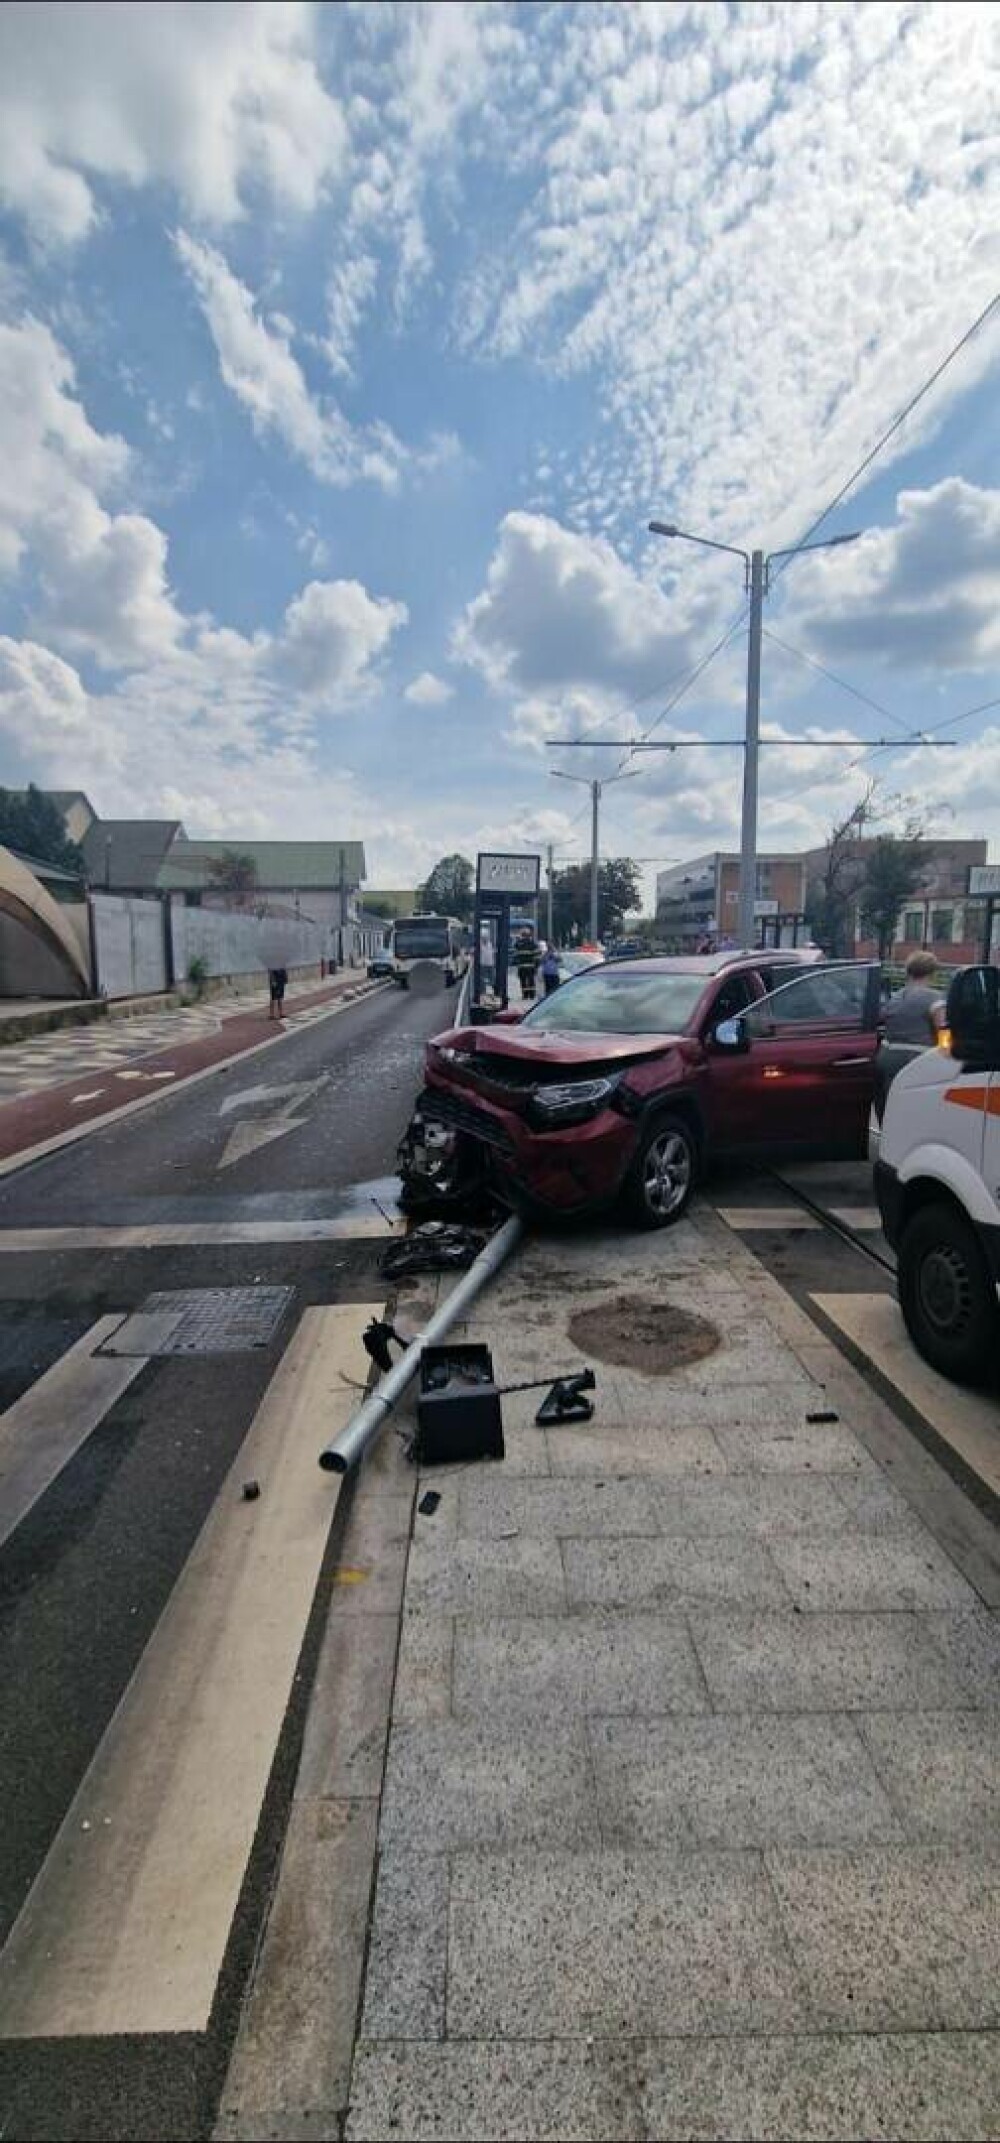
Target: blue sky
[(345, 353)]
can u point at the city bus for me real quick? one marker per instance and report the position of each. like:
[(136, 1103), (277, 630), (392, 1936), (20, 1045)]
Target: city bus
[(438, 940)]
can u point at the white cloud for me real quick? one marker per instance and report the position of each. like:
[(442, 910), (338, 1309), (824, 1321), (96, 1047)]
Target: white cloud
[(758, 229), (560, 609), (923, 595), (428, 690), (212, 99), (101, 577), (332, 634), (259, 366)]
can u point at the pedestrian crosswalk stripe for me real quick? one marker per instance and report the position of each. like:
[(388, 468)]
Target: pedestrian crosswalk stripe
[(41, 1431), (343, 1227), (969, 1423), (126, 1925), (778, 1217)]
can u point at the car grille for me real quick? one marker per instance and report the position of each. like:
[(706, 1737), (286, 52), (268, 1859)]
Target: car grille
[(461, 1116)]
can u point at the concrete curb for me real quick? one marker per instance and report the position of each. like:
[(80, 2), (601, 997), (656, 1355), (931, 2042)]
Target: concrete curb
[(75, 1132)]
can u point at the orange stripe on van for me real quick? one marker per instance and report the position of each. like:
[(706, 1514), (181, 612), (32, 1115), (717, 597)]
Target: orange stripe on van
[(986, 1099)]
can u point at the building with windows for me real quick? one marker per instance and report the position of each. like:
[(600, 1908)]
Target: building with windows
[(700, 899), (938, 916)]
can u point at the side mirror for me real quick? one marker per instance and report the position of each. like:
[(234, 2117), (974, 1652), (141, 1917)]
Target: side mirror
[(732, 1035), (973, 1018), (511, 1018)]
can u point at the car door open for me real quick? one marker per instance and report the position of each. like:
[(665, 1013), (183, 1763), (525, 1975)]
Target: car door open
[(799, 1066)]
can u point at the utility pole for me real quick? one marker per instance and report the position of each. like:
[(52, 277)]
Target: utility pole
[(751, 756), (596, 789), (595, 858), (549, 867), (756, 567)]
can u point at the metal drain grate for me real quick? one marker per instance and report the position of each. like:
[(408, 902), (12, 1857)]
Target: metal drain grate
[(203, 1320)]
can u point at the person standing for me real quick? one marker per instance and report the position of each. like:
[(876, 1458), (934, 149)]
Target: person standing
[(526, 962), (549, 970), (912, 1021), (278, 979)]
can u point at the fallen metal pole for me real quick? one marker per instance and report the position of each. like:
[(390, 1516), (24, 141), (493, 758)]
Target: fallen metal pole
[(347, 1448)]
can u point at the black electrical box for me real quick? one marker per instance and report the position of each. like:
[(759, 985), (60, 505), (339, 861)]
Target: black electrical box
[(458, 1411)]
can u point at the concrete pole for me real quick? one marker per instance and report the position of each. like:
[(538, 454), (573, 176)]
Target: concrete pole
[(595, 861), (549, 867), (748, 835)]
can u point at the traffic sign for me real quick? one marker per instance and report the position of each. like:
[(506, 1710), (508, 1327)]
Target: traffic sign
[(984, 878)]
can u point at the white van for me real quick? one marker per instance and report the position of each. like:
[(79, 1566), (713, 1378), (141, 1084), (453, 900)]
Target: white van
[(937, 1180)]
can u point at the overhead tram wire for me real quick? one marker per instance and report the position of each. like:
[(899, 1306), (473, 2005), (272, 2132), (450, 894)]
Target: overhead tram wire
[(842, 682), (893, 428)]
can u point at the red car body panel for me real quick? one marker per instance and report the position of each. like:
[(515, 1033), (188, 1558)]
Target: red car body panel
[(789, 1091)]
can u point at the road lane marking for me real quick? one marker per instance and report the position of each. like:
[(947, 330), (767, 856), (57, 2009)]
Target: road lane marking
[(126, 1925), (967, 1421), (247, 1138), (41, 1431), (781, 1217), (75, 1132), (345, 1227)]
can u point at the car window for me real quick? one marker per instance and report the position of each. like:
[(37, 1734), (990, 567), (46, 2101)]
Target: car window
[(733, 997), (610, 1000), (826, 996)]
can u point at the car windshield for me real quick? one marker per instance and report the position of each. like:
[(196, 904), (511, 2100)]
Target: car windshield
[(607, 1000), (426, 938)]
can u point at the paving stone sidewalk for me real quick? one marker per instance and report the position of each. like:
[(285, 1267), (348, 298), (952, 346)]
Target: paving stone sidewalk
[(688, 1822)]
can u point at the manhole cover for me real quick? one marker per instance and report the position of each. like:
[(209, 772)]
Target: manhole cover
[(633, 1333), (203, 1320)]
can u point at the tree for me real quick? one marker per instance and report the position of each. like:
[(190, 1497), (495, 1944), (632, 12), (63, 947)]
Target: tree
[(32, 823), (619, 893), (831, 895), (233, 873), (448, 890), (893, 871)]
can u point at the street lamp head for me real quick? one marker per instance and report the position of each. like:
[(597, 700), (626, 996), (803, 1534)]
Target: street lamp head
[(663, 528)]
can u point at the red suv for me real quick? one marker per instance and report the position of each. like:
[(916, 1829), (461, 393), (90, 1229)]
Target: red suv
[(627, 1079)]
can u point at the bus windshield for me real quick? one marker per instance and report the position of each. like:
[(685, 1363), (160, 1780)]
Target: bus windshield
[(422, 937)]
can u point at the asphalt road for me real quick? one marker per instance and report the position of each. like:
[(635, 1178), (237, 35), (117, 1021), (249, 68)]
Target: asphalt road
[(304, 1134)]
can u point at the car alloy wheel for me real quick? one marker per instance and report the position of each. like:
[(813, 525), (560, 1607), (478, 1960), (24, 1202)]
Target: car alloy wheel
[(666, 1174)]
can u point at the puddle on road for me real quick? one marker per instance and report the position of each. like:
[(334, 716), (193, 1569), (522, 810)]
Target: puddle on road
[(630, 1332)]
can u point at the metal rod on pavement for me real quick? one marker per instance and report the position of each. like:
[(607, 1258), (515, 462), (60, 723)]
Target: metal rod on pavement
[(353, 1440)]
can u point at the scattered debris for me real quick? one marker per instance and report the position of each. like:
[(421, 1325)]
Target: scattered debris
[(827, 1415), (435, 1246), (458, 1411), (428, 1503), (565, 1401), (251, 1491)]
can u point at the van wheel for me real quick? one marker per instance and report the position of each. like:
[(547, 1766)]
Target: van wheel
[(946, 1295), (662, 1176)]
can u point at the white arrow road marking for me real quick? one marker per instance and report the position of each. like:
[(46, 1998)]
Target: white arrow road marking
[(246, 1138)]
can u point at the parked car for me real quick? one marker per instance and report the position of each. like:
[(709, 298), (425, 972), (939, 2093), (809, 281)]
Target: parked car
[(380, 968), (627, 1080), (936, 1181)]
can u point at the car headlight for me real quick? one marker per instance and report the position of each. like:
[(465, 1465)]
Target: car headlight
[(573, 1102)]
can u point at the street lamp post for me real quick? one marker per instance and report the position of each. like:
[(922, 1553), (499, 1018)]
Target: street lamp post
[(595, 788), (756, 567)]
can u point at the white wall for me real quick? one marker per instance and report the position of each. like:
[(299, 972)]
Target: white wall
[(128, 943), (231, 943)]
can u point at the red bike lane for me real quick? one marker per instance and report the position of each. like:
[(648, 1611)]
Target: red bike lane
[(34, 1120)]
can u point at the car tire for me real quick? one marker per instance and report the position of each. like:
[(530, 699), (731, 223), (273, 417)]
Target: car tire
[(662, 1176), (946, 1294)]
